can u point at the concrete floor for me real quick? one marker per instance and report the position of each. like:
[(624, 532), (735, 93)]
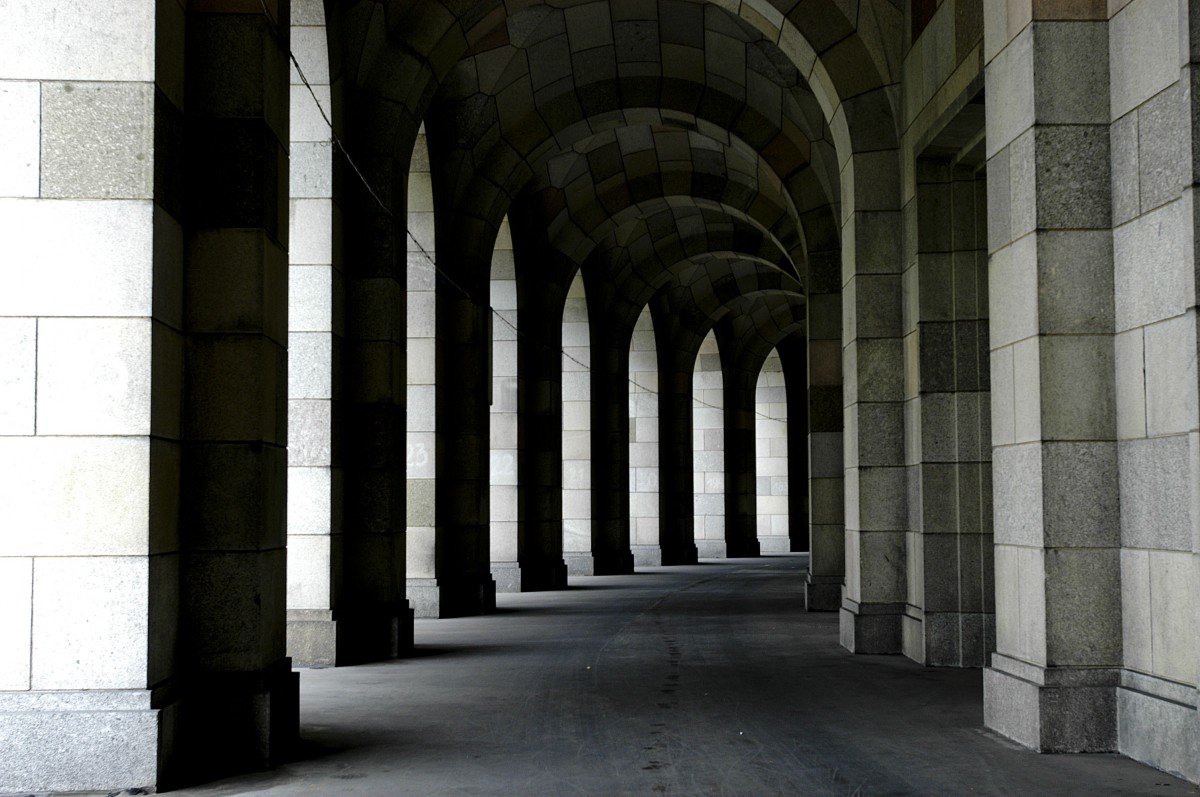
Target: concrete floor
[(702, 680)]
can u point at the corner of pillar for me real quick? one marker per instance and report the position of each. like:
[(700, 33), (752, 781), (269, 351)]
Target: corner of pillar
[(822, 593), (1051, 710), (871, 628)]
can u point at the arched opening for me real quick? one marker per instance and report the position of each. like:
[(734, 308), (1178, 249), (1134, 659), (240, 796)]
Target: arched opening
[(771, 458), (643, 443), (576, 432), (708, 449)]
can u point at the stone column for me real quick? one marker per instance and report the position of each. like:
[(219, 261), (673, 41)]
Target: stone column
[(1051, 684), (823, 412), (462, 552), (793, 357), (872, 362), (539, 402), (676, 491), (609, 420), (738, 379), (91, 392), (242, 707), (346, 399), (948, 616)]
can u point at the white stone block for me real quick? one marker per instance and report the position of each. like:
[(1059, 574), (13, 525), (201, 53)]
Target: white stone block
[(1171, 386), (310, 225), (78, 40), (310, 298), (20, 138), (308, 562), (16, 607), (1017, 494), (1135, 609), (93, 376), (18, 375), (504, 296), (503, 467), (576, 416), (1172, 611), (503, 502), (422, 364), (310, 170), (576, 474), (1009, 86), (310, 365), (643, 505), (74, 496), (645, 480), (1143, 56), (577, 445), (1130, 374), (310, 432), (577, 504), (421, 318), (503, 432), (310, 46), (90, 623), (419, 552), (1153, 264), (1013, 291), (422, 408), (309, 502), (420, 447), (102, 268), (1027, 391)]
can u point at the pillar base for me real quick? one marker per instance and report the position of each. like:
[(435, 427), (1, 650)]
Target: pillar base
[(646, 555), (822, 593), (613, 563), (507, 576), (740, 549), (774, 544), (710, 549), (543, 576), (323, 638), (1158, 724), (685, 554), (1052, 709), (871, 627), (447, 597), (580, 564), (97, 740)]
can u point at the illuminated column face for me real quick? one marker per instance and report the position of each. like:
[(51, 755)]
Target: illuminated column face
[(577, 433), (643, 443), (708, 450), (771, 453)]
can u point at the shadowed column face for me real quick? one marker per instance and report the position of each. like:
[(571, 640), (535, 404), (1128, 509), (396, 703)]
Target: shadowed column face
[(234, 405)]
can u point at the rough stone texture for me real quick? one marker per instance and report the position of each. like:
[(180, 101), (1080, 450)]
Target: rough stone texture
[(97, 749)]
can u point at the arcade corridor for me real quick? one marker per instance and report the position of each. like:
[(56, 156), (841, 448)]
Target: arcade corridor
[(695, 680)]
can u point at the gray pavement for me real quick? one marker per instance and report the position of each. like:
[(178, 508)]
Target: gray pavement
[(701, 680)]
